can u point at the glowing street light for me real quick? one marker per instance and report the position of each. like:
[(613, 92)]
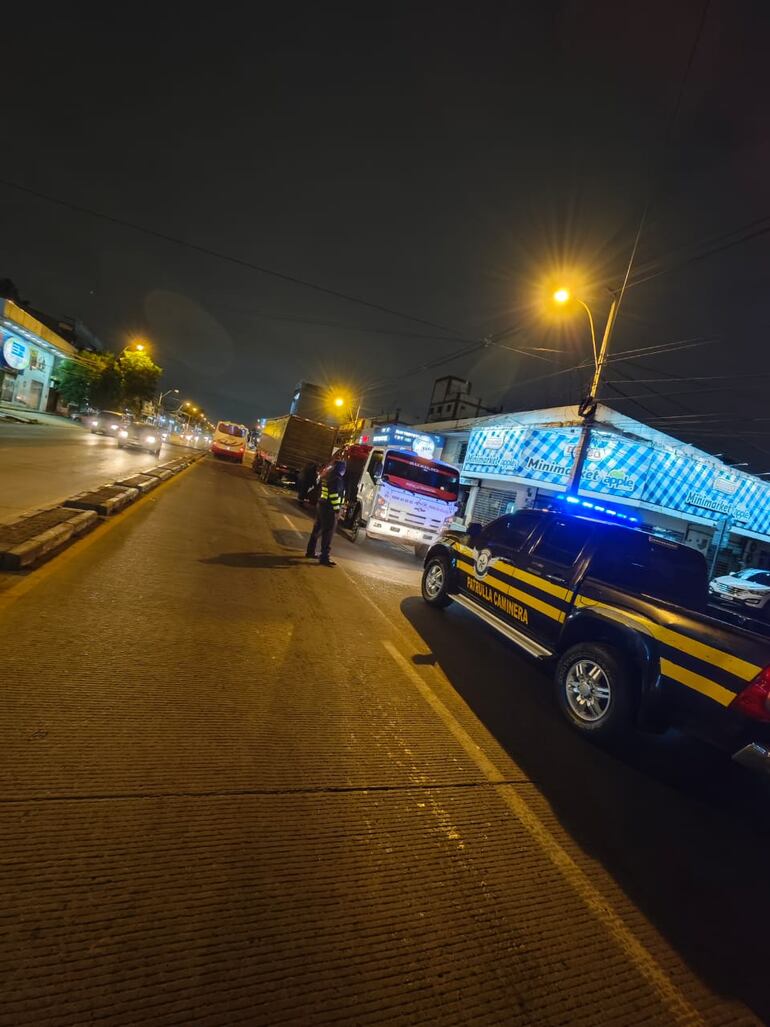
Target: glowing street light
[(562, 296)]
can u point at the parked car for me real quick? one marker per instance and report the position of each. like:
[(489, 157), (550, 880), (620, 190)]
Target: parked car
[(107, 422), (748, 590), (140, 435), (621, 617)]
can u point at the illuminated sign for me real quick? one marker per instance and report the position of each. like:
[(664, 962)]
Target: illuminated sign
[(620, 469), (15, 353), (396, 435), (537, 455)]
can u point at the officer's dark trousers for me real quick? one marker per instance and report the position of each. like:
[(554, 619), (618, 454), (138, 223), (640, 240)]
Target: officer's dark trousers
[(325, 523)]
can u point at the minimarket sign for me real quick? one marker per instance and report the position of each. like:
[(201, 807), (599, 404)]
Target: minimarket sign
[(620, 469)]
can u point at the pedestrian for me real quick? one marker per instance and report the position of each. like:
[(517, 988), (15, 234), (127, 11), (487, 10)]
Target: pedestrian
[(306, 482), (326, 512)]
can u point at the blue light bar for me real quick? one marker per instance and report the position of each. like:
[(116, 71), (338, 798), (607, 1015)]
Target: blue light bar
[(600, 509)]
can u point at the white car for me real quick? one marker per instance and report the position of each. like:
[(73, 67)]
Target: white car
[(748, 589)]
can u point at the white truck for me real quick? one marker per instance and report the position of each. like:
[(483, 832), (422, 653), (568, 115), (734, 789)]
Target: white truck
[(397, 495)]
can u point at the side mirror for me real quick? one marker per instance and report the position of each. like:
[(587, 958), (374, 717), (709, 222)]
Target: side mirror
[(474, 530)]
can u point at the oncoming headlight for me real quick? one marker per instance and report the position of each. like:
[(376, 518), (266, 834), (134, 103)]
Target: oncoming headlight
[(150, 439), (94, 424), (123, 433)]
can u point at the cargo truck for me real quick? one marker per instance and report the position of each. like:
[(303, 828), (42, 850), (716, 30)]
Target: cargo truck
[(289, 443), (395, 494)]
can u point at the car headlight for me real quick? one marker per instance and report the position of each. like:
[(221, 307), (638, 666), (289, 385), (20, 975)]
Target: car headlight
[(94, 424), (113, 427), (150, 439), (123, 433)]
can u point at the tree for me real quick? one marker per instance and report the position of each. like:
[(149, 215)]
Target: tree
[(139, 377), (107, 390), (76, 379)]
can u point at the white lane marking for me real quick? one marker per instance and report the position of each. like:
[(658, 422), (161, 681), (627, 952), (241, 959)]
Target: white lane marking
[(290, 522), (576, 878)]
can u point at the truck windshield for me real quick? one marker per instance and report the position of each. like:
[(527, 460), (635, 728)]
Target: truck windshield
[(424, 476)]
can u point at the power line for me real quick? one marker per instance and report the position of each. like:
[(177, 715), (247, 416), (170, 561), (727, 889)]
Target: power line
[(239, 261)]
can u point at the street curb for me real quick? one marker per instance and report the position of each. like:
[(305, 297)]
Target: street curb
[(143, 482), (105, 500), (93, 506), (30, 551)]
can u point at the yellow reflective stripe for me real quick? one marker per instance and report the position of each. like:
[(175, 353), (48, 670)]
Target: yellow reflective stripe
[(559, 591), (523, 597), (716, 657), (697, 682), (537, 582)]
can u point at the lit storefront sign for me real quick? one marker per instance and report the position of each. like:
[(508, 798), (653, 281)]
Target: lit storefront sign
[(539, 456), (16, 352), (620, 469), (395, 435)]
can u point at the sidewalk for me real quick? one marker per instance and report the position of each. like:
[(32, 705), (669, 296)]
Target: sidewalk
[(15, 414)]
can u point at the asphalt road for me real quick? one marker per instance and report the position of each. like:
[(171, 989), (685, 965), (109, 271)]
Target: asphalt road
[(238, 787), (44, 464)]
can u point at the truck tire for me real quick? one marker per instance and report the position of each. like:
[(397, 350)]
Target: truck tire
[(594, 691), (435, 579)]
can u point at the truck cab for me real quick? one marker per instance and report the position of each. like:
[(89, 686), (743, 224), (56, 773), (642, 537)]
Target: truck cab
[(397, 495)]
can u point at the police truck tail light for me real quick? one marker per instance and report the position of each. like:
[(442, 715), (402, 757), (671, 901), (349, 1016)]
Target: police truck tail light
[(754, 700)]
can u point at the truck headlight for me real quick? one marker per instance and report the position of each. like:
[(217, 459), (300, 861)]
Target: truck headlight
[(123, 433), (150, 439), (94, 424)]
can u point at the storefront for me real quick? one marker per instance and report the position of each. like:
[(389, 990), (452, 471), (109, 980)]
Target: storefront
[(631, 474), (29, 355)]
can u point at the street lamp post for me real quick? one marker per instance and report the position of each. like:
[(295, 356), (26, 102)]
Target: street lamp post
[(587, 407), (159, 405)]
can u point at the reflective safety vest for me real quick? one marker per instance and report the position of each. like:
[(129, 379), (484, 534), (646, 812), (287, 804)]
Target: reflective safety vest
[(333, 497)]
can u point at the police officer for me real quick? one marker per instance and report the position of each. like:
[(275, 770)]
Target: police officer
[(327, 509)]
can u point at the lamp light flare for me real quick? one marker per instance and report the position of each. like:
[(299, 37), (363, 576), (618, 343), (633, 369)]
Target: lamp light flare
[(561, 295)]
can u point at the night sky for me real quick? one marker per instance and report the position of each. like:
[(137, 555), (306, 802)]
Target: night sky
[(448, 162)]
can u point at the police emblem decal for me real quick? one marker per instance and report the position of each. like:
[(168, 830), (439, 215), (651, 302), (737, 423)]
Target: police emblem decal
[(482, 562)]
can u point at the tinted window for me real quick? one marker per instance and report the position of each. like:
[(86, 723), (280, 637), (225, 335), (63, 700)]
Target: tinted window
[(511, 531), (236, 430), (563, 540), (649, 566), (759, 577)]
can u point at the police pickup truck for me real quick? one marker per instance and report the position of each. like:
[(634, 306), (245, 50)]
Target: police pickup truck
[(623, 617)]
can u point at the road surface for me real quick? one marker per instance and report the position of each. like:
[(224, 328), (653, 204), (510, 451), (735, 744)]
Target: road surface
[(43, 464), (239, 787)]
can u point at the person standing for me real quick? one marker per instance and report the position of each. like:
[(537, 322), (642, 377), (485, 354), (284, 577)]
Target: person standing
[(326, 512)]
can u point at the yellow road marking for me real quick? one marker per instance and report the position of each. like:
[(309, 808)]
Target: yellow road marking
[(35, 577), (646, 964)]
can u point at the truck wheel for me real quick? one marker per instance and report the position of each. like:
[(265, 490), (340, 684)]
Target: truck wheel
[(435, 579), (594, 692), (356, 524)]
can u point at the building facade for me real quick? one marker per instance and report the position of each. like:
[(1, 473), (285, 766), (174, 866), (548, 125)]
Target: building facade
[(451, 400), (30, 353), (631, 473)]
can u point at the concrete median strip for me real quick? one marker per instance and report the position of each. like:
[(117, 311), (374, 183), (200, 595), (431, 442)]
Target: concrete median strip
[(143, 482), (27, 540), (105, 500)]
